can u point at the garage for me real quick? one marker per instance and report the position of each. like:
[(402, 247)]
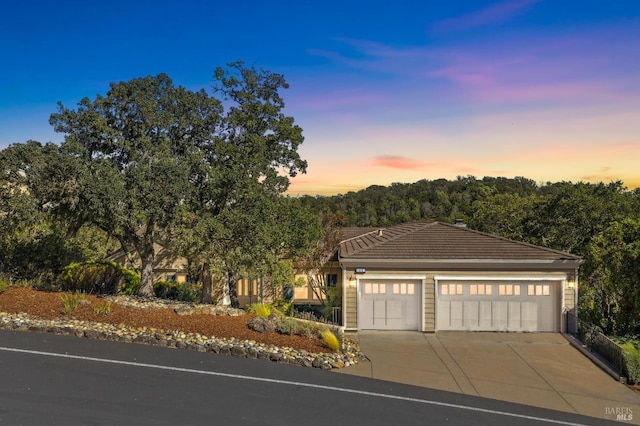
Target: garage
[(498, 305), (435, 276), (389, 304)]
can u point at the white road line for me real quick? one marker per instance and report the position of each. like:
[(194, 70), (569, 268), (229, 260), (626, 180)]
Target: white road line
[(290, 383)]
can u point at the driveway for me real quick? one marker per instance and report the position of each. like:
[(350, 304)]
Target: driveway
[(538, 369)]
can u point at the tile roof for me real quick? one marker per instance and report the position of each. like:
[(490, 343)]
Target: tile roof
[(438, 241)]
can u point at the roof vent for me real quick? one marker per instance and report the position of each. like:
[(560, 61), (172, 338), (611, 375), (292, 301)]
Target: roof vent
[(460, 223), (379, 232)]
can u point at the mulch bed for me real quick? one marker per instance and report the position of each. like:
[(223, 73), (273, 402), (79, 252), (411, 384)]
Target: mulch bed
[(48, 305)]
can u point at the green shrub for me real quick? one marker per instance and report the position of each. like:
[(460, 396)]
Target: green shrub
[(284, 307), (334, 300), (189, 292), (631, 358), (70, 303), (166, 289), (103, 308), (131, 283), (632, 368), (330, 339), (287, 325), (184, 292), (102, 277)]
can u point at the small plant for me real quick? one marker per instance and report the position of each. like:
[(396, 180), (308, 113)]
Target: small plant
[(103, 308), (3, 284), (189, 292), (260, 309), (283, 306), (287, 325), (309, 329), (330, 339), (70, 303)]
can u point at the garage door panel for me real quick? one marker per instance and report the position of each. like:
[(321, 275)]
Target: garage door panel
[(513, 316), (500, 318), (455, 319), (485, 315), (529, 316), (470, 315)]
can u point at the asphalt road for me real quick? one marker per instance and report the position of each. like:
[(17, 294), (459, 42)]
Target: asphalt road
[(62, 380)]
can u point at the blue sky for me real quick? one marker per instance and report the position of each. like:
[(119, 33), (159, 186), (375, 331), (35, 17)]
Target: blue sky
[(385, 91)]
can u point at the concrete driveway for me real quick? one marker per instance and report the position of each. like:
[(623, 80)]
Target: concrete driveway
[(538, 369)]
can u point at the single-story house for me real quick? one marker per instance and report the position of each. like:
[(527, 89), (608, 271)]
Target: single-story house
[(434, 276), (430, 276)]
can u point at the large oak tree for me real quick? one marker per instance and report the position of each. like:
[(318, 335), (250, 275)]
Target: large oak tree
[(149, 154)]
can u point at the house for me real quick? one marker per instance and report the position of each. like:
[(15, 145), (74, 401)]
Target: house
[(434, 276), (431, 276), (167, 267)]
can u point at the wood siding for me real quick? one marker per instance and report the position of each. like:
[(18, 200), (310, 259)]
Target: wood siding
[(429, 304)]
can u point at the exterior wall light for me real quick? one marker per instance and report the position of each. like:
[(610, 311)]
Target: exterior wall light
[(351, 281)]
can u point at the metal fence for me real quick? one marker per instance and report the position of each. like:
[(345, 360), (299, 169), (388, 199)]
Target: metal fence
[(591, 336), (336, 315)]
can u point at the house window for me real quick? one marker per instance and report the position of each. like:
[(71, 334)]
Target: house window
[(172, 277), (331, 280)]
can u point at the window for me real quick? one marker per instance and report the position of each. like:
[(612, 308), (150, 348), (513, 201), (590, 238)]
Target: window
[(509, 289), (331, 280), (451, 289), (480, 289), (403, 288), (538, 290), (375, 288)]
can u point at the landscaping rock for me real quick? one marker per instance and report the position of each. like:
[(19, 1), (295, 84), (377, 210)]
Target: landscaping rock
[(239, 348), (262, 325)]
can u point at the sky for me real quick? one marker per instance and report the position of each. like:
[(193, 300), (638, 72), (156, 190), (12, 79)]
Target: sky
[(385, 91)]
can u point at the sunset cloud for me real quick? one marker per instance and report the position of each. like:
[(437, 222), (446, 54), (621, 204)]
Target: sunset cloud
[(398, 162)]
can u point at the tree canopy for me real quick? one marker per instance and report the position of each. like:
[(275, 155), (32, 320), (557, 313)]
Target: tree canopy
[(149, 153)]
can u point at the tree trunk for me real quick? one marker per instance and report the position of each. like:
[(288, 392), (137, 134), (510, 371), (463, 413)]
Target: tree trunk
[(207, 285), (233, 290), (146, 274)]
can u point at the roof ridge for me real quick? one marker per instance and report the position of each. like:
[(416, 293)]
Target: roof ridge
[(356, 236)]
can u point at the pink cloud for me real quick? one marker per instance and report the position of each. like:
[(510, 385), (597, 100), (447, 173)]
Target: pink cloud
[(493, 14), (398, 162)]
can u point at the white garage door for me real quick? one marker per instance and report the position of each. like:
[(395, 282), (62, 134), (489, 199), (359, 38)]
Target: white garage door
[(498, 306), (389, 305)]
